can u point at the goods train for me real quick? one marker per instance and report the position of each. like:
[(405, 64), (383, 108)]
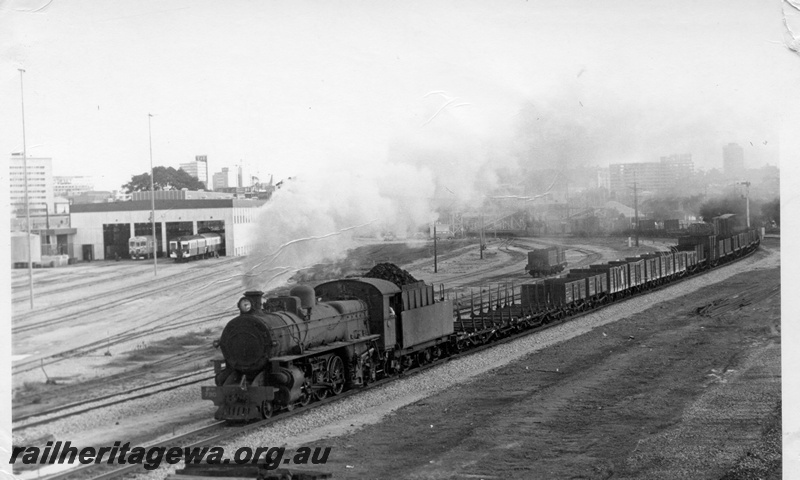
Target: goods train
[(141, 247), (546, 261), (287, 351), (203, 245)]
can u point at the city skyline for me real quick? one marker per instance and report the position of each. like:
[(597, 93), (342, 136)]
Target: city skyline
[(233, 169), (381, 85)]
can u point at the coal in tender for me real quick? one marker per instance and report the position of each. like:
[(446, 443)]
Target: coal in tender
[(392, 273)]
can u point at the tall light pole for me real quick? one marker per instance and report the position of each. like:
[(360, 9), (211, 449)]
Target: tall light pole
[(25, 181), (636, 209), (153, 198), (435, 253)]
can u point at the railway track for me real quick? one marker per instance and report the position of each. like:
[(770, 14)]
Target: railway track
[(20, 294), (106, 401), (116, 296), (188, 357), (93, 472), (218, 437), (126, 336)]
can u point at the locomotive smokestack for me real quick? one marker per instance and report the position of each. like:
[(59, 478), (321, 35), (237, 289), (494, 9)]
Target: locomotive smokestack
[(255, 297)]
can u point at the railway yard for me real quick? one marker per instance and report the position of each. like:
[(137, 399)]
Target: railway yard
[(683, 382)]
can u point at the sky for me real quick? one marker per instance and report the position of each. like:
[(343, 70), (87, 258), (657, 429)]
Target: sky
[(296, 88)]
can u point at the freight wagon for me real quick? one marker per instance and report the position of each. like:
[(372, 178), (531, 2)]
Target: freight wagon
[(546, 261)]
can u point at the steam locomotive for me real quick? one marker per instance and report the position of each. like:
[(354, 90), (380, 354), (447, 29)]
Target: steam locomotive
[(287, 351)]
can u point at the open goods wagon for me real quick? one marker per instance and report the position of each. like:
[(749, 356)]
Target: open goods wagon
[(546, 261)]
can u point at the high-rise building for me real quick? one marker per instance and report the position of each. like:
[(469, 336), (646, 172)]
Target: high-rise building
[(198, 168), (648, 177), (222, 179), (677, 167), (733, 159), (40, 185), (68, 186), (651, 177)]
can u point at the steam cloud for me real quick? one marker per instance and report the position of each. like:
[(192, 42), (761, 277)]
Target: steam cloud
[(448, 157), (315, 218)]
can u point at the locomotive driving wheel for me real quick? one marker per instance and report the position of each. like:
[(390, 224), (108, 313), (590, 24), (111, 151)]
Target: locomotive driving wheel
[(305, 397), (266, 409), (336, 374), (320, 394), (368, 373)]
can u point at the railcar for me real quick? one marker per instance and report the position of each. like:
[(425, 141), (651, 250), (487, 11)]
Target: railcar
[(141, 247), (203, 245)]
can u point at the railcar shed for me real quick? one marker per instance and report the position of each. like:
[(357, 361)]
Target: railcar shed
[(103, 229)]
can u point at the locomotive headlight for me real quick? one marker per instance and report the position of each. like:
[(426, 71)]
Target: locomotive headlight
[(245, 305)]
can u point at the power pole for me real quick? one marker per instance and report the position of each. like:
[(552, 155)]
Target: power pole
[(25, 181), (481, 236), (435, 257), (153, 198), (636, 209)]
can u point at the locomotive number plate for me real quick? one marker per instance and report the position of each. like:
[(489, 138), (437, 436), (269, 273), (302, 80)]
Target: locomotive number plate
[(208, 393)]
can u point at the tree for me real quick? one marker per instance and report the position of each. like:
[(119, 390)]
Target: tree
[(731, 204), (166, 178), (661, 207), (772, 211), (720, 206)]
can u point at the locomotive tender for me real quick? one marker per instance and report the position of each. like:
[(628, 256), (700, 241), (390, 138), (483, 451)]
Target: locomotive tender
[(286, 351)]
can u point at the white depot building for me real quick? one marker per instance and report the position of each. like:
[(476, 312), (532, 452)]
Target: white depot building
[(103, 229)]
